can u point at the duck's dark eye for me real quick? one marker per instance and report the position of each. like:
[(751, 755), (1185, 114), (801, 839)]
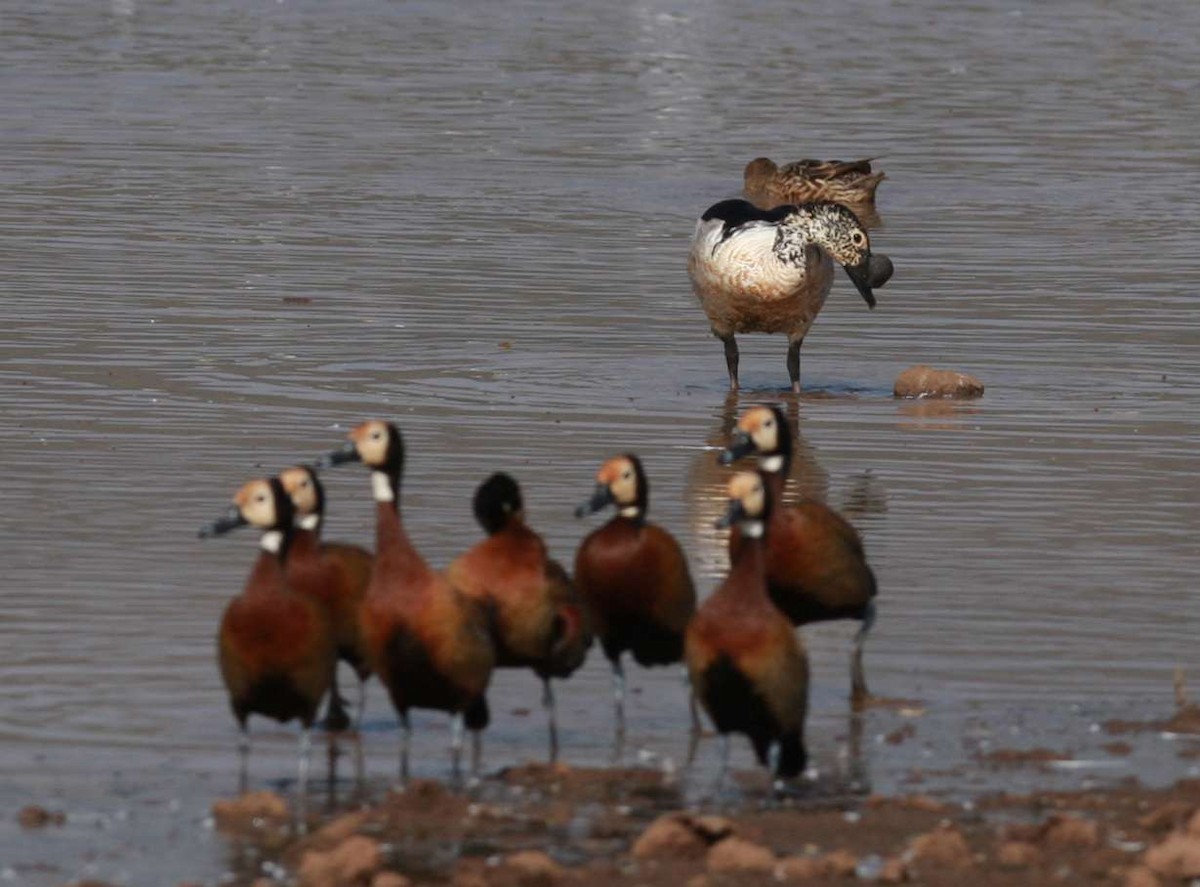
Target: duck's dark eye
[(627, 475), (857, 238), (260, 498)]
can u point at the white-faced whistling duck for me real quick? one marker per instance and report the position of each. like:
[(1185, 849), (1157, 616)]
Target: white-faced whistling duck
[(770, 271), (538, 618), (333, 573), (428, 643), (747, 665), (633, 577), (851, 183), (816, 567), (275, 647)]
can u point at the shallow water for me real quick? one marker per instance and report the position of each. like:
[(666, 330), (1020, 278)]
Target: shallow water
[(231, 231)]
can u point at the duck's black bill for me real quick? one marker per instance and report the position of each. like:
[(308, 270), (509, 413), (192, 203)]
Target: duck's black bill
[(733, 514), (602, 498), (741, 447), (231, 521), (341, 456), (879, 270), (861, 275)]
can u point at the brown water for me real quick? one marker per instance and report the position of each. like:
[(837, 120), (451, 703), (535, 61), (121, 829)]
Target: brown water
[(229, 231)]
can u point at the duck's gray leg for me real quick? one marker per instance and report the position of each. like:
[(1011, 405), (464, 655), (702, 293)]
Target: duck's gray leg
[(858, 682)]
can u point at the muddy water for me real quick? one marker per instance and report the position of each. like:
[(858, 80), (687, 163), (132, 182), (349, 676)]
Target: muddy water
[(230, 231)]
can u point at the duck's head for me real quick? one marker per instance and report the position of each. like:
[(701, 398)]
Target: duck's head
[(759, 174), (839, 232), (620, 482), (307, 493), (763, 431), (375, 443), (749, 504), (259, 503), (498, 501)]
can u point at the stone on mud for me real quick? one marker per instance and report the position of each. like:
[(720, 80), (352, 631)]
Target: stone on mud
[(944, 847), (669, 836), (740, 855), (534, 868), (1178, 856), (351, 863)]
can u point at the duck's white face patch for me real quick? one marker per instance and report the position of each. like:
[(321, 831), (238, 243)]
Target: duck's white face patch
[(371, 439), (746, 487), (256, 502), (297, 483)]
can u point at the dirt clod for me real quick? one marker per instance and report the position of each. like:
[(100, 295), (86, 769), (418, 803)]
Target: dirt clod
[(740, 855)]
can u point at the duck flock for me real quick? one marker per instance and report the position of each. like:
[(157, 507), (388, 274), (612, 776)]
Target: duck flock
[(433, 638)]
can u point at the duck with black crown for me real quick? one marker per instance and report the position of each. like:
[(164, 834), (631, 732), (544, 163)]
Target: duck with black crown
[(770, 270)]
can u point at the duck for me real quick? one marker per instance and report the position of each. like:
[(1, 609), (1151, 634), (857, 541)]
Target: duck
[(275, 649), (770, 270), (633, 577), (817, 568), (538, 617), (429, 644), (851, 183), (747, 665), (333, 573)]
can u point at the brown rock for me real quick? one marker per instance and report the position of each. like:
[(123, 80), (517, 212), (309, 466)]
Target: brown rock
[(1018, 854), (1071, 831), (698, 881), (534, 868), (1140, 876), (1178, 856), (1168, 816), (34, 816), (390, 879), (801, 868), (841, 863), (740, 855), (894, 871), (351, 863), (943, 847), (925, 803), (338, 830), (265, 805), (925, 381), (669, 836), (710, 828)]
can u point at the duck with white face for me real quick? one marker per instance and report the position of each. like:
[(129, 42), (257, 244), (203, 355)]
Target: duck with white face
[(770, 271), (335, 575), (430, 645), (275, 648)]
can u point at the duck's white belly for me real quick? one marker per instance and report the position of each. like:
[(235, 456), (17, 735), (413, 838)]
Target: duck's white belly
[(744, 288)]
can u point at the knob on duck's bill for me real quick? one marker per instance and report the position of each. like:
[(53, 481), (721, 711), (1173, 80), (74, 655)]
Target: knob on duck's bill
[(344, 454), (231, 521), (601, 498), (861, 275), (739, 448), (879, 270)]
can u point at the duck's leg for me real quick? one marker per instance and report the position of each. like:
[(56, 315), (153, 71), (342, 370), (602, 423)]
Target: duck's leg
[(793, 361), (405, 742), (731, 357), (548, 704), (858, 682), (305, 750), (456, 744), (362, 704), (618, 675), (693, 708), (243, 747), (336, 719)]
